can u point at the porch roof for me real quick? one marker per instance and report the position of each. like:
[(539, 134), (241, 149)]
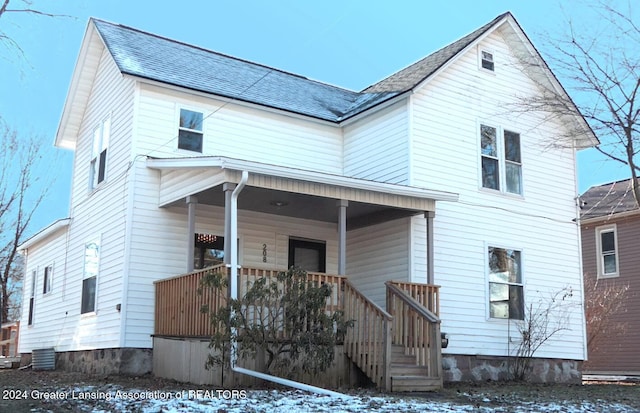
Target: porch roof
[(291, 191)]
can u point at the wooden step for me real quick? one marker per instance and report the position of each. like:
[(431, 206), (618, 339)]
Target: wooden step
[(415, 383), (407, 370), (398, 356)]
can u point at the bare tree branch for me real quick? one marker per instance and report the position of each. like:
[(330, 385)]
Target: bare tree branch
[(21, 193), (602, 69)]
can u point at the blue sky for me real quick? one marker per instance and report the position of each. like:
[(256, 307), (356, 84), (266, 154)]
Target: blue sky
[(351, 44)]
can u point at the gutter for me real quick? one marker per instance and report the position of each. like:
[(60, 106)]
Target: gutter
[(233, 287)]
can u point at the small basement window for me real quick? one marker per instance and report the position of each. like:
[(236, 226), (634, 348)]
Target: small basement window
[(486, 60)]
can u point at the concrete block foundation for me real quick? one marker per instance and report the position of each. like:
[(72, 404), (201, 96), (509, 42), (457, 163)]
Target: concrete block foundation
[(458, 368), (126, 361)]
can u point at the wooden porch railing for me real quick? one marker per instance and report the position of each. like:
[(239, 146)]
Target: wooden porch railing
[(179, 302), (428, 295), (368, 342), (415, 328)]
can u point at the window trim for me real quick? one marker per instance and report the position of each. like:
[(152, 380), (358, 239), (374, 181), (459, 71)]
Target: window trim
[(32, 297), (501, 158), (47, 280), (313, 244), (600, 254), (85, 276), (99, 158), (481, 60), (488, 281), (179, 110)]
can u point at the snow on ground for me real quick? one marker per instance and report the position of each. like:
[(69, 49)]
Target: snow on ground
[(115, 399)]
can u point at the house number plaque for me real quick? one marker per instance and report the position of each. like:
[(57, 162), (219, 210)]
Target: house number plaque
[(264, 252)]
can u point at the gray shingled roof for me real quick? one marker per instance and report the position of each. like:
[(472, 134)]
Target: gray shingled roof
[(414, 74), (607, 199), (168, 61)]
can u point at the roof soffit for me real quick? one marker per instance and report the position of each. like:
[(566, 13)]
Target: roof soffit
[(84, 74)]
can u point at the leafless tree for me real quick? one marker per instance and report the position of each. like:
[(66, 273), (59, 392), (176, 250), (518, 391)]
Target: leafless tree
[(17, 7), (598, 61), (22, 191), (544, 318), (604, 299)]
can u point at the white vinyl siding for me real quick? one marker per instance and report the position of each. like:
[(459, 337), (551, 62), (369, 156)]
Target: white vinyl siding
[(377, 147), (376, 254), (237, 132), (103, 211), (447, 111)]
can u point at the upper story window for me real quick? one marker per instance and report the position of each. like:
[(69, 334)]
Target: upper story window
[(48, 275), (607, 250), (501, 160), (98, 167), (486, 60), (506, 295), (190, 133)]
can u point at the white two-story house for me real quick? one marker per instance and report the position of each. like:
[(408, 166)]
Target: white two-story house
[(426, 177)]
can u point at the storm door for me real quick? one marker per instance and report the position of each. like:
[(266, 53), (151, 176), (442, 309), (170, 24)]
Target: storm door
[(308, 254)]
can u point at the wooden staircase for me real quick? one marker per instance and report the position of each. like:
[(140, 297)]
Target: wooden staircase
[(398, 349), (407, 376)]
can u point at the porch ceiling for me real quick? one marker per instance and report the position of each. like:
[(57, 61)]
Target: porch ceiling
[(290, 191), (303, 206)]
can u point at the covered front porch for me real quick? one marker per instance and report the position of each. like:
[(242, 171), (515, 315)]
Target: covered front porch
[(353, 234)]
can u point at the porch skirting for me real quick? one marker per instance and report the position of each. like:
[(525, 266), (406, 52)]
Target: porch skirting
[(126, 361), (183, 359), (483, 368)]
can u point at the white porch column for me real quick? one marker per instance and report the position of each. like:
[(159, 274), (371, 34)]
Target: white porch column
[(429, 215), (342, 236), (227, 188), (192, 201)]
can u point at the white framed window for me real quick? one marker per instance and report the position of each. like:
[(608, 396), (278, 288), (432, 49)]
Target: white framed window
[(47, 280), (607, 250), (190, 131), (208, 250), (486, 60), (90, 276), (506, 290), (98, 165), (32, 296), (500, 159)]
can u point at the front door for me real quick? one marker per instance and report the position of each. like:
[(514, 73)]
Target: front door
[(309, 255)]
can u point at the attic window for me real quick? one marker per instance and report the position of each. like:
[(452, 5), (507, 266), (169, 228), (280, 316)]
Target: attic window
[(190, 131), (98, 165), (486, 60)]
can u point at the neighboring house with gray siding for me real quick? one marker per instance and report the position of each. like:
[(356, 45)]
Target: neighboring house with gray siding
[(422, 177), (610, 222)]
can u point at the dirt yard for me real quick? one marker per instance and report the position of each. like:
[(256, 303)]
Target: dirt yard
[(33, 391)]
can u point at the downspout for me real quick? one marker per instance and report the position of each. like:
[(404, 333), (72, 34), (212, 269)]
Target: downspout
[(233, 287)]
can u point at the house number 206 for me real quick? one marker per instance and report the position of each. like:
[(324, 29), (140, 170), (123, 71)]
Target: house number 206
[(264, 252)]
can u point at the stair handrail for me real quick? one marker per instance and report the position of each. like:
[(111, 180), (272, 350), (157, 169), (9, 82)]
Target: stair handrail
[(412, 302), (368, 342), (418, 339), (425, 294)]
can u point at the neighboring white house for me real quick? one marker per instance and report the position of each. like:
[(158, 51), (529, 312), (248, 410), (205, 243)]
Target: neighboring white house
[(428, 175)]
